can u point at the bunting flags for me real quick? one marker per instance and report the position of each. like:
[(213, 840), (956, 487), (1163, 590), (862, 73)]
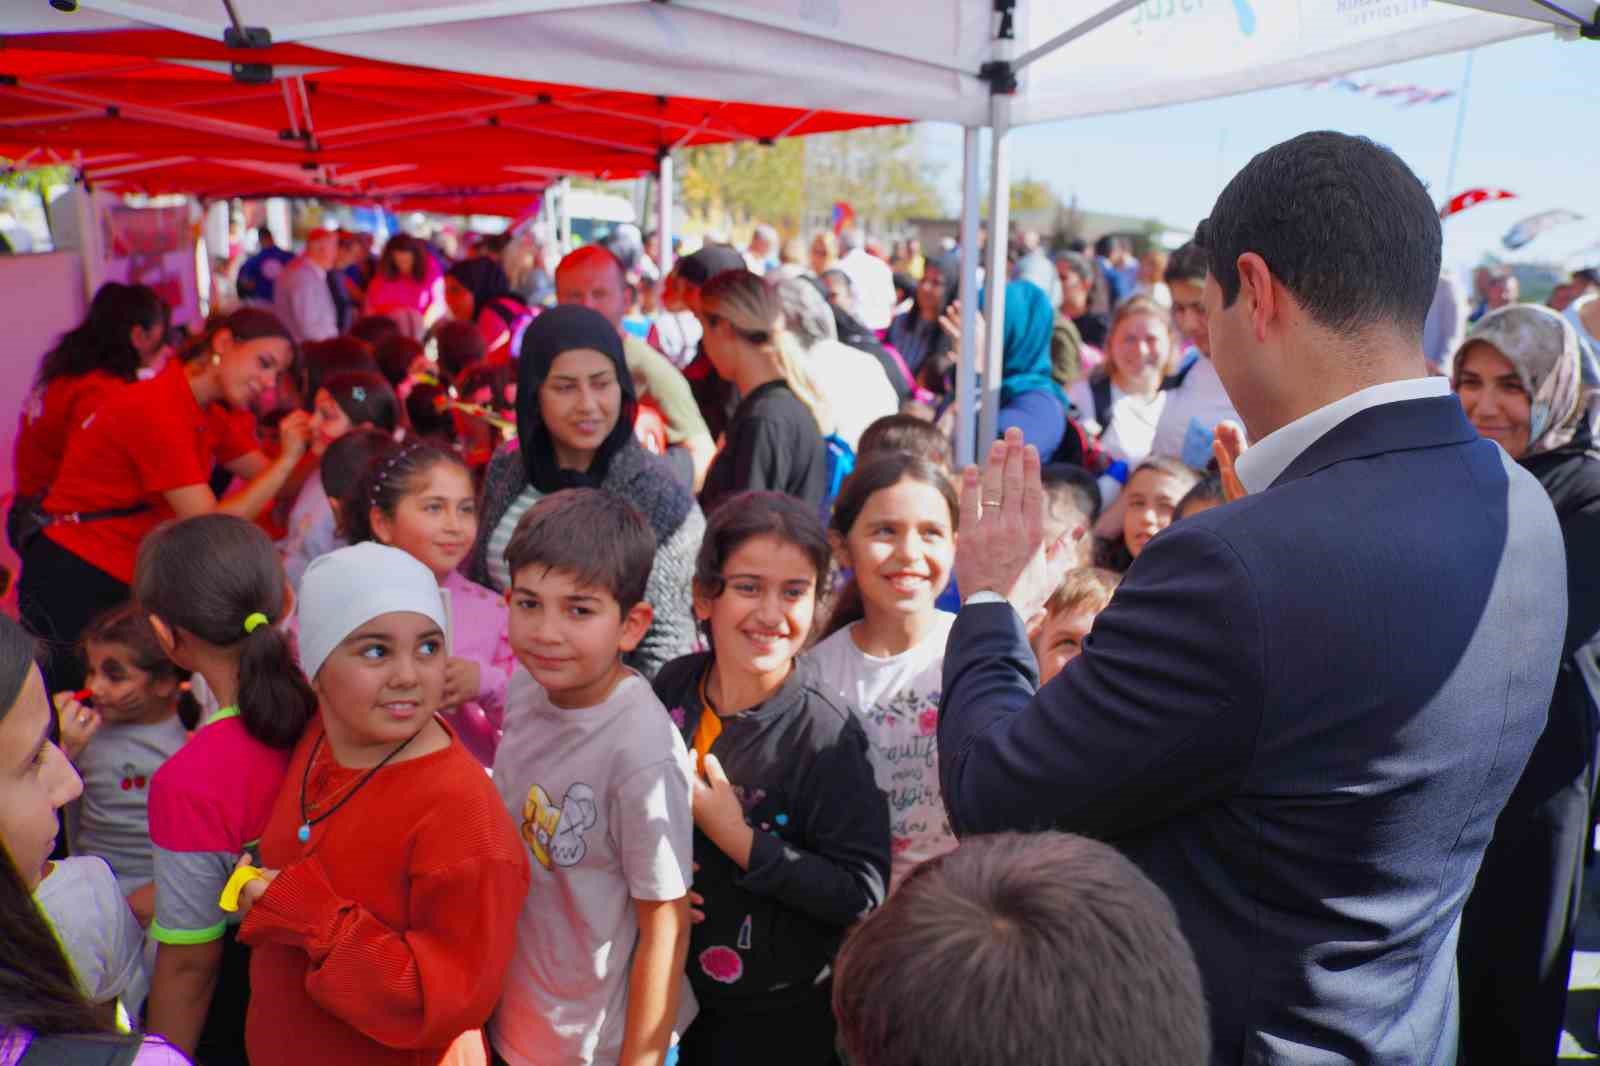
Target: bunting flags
[(1472, 198), (1524, 232), (1405, 95)]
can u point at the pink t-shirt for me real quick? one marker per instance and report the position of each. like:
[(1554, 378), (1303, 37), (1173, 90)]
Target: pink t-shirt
[(208, 804), (153, 1052), (401, 294)]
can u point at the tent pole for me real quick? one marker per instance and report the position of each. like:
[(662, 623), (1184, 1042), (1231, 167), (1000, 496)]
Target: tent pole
[(664, 196), (967, 358), (997, 273)]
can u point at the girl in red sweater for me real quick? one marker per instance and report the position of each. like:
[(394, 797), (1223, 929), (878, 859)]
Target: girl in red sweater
[(386, 912)]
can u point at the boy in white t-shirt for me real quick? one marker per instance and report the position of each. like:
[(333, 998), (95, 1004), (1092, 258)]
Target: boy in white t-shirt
[(1196, 400), (598, 779)]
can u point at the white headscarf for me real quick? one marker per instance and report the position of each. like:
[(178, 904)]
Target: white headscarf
[(346, 589)]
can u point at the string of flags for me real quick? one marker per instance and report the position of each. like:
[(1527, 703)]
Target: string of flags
[(1405, 95)]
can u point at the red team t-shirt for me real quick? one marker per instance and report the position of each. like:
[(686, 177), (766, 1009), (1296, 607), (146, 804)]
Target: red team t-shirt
[(145, 440), (48, 419)]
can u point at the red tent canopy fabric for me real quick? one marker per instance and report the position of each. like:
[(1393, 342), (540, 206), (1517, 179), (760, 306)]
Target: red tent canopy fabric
[(157, 111)]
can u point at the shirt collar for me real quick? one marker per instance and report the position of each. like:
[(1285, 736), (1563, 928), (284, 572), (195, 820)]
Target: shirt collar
[(1266, 460)]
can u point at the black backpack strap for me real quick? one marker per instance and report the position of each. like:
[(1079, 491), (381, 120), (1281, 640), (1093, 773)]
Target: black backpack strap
[(1174, 381), (1100, 390), (81, 1051)]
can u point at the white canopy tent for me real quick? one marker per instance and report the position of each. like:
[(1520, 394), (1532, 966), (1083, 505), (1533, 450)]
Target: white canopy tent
[(976, 63)]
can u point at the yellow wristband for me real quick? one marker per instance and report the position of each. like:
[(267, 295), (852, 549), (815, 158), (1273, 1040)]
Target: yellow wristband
[(242, 876)]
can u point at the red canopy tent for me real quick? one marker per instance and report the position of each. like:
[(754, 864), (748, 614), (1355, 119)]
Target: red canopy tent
[(158, 111)]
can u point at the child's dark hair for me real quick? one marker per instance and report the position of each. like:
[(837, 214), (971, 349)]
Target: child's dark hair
[(129, 627), (325, 360), (879, 471), (365, 398), (1065, 949), (347, 461), (395, 355), (1072, 480), (210, 576), (457, 346), (497, 379), (390, 478), (1207, 490), (906, 433), (373, 330), (759, 514), (596, 536), (427, 412)]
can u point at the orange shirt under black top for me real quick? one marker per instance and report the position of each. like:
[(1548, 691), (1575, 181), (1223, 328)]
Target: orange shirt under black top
[(47, 421), (145, 440), (385, 940)]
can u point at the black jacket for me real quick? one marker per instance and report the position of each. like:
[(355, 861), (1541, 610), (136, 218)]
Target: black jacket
[(820, 860), (773, 445)]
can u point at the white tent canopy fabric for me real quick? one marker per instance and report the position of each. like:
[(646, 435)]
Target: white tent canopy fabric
[(919, 63), (927, 61)]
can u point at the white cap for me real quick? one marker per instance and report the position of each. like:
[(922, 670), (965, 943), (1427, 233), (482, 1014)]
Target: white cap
[(346, 589)]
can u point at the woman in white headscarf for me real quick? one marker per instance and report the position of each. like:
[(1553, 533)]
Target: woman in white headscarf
[(1519, 376)]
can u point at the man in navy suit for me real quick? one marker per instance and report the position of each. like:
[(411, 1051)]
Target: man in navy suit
[(1303, 710)]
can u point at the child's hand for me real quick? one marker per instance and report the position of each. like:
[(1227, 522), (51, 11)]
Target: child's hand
[(294, 435), (78, 724), (254, 889), (719, 814), (696, 901), (461, 680), (1227, 447)]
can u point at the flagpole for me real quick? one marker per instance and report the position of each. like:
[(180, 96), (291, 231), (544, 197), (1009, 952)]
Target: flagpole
[(1461, 122)]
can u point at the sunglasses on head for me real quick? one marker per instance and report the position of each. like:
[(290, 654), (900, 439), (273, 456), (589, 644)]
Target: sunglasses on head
[(754, 336)]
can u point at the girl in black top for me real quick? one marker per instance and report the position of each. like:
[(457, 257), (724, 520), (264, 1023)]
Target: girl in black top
[(791, 833), (774, 439)]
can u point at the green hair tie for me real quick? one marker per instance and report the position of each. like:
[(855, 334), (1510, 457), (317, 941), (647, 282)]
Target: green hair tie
[(254, 622)]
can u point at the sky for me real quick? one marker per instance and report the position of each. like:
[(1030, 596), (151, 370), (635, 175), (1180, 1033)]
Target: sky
[(1530, 126)]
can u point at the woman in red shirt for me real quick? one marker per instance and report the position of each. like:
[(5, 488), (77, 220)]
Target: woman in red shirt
[(122, 332), (145, 456)]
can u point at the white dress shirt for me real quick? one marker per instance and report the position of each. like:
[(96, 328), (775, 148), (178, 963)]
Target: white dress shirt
[(1266, 460)]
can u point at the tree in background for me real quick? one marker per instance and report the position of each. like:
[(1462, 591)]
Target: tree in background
[(881, 172)]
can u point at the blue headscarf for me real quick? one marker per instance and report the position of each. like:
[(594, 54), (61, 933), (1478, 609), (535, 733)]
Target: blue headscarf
[(1030, 323)]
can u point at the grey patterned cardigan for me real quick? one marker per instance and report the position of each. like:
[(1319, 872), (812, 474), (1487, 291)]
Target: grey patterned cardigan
[(647, 482)]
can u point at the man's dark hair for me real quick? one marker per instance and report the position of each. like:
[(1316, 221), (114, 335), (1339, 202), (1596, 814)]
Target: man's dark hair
[(1189, 263), (596, 536), (1022, 948), (264, 235), (1341, 222)]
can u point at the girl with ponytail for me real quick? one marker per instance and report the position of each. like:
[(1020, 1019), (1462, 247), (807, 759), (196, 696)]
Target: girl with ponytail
[(216, 595), (774, 441)]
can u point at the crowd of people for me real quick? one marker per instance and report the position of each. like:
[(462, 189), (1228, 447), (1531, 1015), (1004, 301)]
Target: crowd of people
[(436, 671)]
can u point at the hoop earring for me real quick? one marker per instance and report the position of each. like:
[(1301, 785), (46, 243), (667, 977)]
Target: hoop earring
[(216, 360)]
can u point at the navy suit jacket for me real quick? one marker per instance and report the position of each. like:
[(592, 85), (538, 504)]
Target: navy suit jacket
[(1300, 715)]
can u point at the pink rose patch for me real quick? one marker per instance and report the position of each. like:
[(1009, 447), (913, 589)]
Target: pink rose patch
[(722, 964), (900, 845), (676, 714), (929, 721)]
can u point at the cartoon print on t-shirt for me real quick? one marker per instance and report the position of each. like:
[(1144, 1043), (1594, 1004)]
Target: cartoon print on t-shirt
[(556, 833), (133, 777)]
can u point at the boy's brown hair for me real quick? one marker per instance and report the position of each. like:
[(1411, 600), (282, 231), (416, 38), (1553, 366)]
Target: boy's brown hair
[(1037, 948), (1088, 588), (906, 433), (599, 538)]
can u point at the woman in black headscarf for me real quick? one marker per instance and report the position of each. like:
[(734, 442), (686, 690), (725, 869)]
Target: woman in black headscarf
[(575, 411), (478, 291), (916, 334)]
